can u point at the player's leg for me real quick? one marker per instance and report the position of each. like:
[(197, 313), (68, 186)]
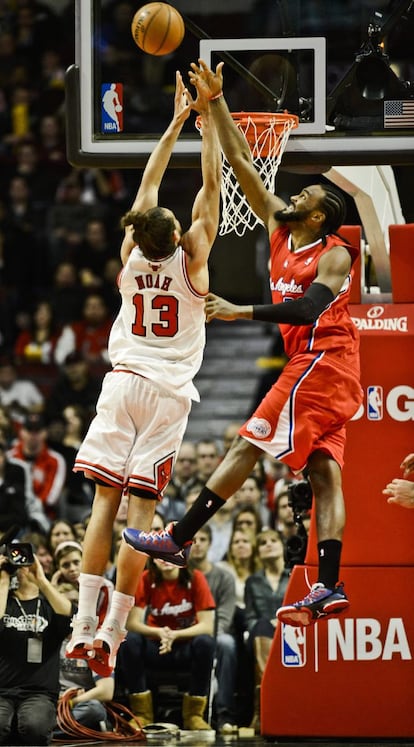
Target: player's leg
[(261, 432), (130, 565), (96, 552), (326, 597), (173, 544)]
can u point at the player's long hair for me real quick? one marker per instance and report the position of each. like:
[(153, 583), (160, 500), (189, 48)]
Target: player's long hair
[(153, 231), (334, 206), (184, 576)]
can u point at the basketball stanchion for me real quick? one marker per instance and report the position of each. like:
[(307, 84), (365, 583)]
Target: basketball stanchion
[(267, 134)]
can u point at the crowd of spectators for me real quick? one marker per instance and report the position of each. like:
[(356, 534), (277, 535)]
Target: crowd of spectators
[(59, 235), (245, 572)]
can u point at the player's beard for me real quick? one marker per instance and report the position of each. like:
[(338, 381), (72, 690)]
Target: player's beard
[(293, 216)]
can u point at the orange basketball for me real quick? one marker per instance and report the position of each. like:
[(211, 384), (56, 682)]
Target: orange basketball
[(157, 28)]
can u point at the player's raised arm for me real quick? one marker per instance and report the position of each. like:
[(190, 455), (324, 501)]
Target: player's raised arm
[(235, 146), (198, 240), (147, 194)]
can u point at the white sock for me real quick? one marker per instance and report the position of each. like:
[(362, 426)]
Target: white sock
[(120, 607), (89, 587)]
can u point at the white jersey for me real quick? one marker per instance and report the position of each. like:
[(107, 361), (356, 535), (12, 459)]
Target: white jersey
[(159, 332)]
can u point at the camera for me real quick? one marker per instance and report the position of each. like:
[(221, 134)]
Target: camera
[(300, 500), (18, 554), (300, 496)]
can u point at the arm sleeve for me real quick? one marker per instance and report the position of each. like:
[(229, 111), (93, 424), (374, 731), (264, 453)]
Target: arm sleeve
[(301, 311)]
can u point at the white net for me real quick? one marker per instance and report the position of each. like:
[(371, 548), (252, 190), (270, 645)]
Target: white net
[(267, 135)]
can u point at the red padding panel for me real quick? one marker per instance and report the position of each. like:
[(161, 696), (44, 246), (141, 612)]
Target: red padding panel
[(379, 437), (351, 676), (402, 262)]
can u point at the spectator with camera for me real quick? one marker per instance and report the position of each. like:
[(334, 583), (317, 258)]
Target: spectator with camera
[(34, 620)]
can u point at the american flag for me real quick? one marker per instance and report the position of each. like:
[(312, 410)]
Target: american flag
[(399, 113)]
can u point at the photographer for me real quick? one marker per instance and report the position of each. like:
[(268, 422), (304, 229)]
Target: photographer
[(34, 620)]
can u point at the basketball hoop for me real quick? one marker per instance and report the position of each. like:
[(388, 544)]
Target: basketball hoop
[(267, 134)]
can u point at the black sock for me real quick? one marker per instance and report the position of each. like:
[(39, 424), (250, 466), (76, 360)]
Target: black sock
[(329, 554), (199, 514)]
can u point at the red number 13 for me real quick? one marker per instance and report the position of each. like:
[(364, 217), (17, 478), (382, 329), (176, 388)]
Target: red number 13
[(167, 307)]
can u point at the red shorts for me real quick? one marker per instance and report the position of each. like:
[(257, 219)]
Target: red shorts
[(306, 410)]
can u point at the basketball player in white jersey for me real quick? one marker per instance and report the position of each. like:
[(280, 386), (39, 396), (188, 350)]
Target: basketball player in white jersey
[(156, 348)]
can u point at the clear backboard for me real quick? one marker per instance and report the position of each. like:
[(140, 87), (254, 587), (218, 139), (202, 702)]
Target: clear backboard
[(345, 68)]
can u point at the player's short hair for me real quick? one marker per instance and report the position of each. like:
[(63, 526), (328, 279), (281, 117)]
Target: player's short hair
[(334, 206)]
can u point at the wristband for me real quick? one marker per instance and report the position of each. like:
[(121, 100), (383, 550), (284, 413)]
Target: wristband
[(217, 96)]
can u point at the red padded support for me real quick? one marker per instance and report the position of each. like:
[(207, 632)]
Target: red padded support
[(402, 262)]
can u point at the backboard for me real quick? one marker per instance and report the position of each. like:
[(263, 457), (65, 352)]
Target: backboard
[(347, 72)]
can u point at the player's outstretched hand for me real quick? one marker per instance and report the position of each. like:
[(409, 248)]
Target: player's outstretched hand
[(219, 308), (400, 492), (182, 99), (208, 83), (407, 464)]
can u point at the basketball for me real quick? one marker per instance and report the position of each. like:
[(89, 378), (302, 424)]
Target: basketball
[(157, 28)]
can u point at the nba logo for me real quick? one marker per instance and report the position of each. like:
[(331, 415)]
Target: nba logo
[(375, 400), (293, 646), (112, 107)]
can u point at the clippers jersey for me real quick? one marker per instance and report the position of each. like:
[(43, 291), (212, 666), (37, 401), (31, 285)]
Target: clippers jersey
[(291, 274), (159, 332)]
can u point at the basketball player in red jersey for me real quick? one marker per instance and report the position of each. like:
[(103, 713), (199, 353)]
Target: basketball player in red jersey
[(156, 347), (301, 421)]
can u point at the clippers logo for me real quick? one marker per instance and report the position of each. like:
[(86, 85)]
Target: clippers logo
[(375, 402), (293, 646), (259, 427)]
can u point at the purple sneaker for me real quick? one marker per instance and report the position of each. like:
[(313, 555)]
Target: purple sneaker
[(158, 545), (319, 603)]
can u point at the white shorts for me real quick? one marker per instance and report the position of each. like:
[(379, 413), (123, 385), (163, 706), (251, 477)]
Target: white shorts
[(133, 440)]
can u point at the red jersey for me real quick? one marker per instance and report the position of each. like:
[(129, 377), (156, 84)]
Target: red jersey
[(171, 604), (92, 341), (48, 472), (291, 274)]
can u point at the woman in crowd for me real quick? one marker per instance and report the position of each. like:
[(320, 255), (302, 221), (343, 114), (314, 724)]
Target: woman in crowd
[(241, 561), (264, 594), (60, 531), (171, 628)]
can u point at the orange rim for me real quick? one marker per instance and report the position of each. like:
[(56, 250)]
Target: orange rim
[(255, 124)]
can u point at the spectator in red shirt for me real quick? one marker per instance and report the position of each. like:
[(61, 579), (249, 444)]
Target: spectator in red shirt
[(47, 467), (171, 627), (89, 336)]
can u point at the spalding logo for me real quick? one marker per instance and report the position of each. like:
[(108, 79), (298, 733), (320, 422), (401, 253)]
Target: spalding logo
[(259, 427)]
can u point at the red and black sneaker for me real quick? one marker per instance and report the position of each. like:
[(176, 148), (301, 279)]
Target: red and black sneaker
[(319, 603)]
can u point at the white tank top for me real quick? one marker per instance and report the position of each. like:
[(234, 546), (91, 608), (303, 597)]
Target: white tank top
[(159, 332)]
